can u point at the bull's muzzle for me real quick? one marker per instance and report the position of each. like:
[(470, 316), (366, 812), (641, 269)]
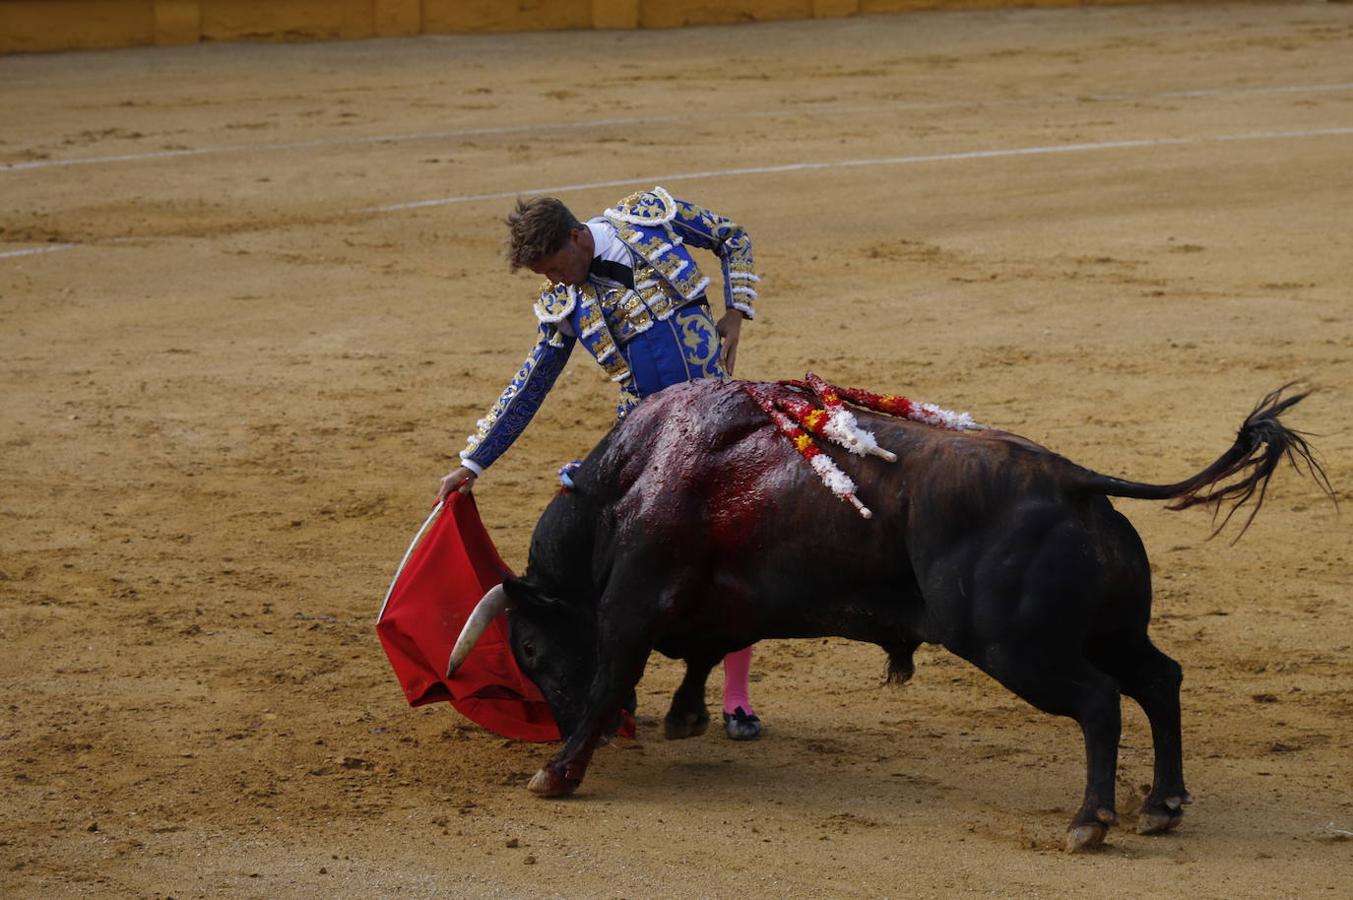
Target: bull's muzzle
[(485, 611)]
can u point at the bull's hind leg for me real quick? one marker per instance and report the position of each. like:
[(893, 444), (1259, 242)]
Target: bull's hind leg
[(1152, 679), (688, 715), (1070, 686)]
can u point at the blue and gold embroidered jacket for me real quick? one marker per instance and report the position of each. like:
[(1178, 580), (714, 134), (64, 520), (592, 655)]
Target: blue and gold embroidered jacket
[(648, 337)]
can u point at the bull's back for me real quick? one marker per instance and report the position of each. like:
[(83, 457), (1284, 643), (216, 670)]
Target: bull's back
[(708, 488), (703, 455)]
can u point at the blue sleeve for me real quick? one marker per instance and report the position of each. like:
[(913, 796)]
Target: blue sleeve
[(509, 416), (729, 241)]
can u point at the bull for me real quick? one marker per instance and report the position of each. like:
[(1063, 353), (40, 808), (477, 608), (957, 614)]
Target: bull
[(694, 529)]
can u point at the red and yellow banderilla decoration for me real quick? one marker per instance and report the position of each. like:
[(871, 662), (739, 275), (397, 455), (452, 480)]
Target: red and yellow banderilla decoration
[(800, 420)]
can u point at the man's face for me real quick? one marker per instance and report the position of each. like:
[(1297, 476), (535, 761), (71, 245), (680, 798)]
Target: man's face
[(571, 262)]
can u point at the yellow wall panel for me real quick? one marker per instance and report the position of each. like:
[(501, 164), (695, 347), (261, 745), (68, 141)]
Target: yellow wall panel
[(452, 16), (75, 24), (675, 13), (178, 21), (31, 25), (392, 18), (615, 13), (285, 20), (902, 6), (829, 8)]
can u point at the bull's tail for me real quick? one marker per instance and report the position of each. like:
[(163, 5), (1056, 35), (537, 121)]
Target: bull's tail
[(1241, 474)]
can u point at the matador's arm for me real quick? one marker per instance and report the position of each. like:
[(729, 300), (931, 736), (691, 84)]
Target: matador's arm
[(729, 241), (509, 416)]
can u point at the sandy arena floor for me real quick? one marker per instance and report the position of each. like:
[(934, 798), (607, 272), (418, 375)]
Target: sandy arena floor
[(230, 387)]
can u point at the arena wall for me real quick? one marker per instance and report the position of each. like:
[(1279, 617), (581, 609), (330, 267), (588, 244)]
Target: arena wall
[(37, 25)]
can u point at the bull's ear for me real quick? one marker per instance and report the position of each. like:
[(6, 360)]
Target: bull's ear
[(524, 595)]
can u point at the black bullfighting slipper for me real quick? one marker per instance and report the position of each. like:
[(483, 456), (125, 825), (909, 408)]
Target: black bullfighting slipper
[(741, 725)]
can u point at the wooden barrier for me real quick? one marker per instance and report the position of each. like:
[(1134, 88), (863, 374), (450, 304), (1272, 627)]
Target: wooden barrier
[(36, 25)]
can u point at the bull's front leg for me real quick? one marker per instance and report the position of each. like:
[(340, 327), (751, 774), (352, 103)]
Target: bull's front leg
[(561, 776), (617, 674)]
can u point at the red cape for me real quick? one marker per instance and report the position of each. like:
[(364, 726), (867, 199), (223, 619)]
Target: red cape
[(451, 565)]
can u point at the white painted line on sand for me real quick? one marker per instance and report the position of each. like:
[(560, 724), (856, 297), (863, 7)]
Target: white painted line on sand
[(1272, 89), (407, 137), (1010, 152), (31, 251), (860, 163)]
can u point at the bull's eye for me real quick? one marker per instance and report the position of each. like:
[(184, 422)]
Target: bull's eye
[(528, 650)]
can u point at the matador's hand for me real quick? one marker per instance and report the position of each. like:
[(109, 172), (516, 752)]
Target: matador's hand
[(461, 479), (729, 328)]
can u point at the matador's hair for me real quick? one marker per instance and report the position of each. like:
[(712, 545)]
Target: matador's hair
[(538, 227)]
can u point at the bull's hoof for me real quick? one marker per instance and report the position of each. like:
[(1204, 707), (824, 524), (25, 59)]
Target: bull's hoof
[(679, 727), (548, 783), (1157, 822), (741, 725), (1087, 837), (1159, 816)]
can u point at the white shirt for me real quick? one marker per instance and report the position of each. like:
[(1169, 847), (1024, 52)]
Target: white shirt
[(609, 247), (612, 252)]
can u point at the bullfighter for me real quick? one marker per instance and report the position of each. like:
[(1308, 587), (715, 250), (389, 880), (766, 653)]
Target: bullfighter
[(626, 286)]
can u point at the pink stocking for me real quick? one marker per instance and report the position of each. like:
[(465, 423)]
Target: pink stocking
[(736, 666)]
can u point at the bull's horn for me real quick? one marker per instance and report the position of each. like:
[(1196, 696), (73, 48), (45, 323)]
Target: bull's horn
[(488, 608)]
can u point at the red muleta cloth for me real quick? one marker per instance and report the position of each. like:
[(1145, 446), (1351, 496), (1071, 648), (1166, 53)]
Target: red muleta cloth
[(452, 564)]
